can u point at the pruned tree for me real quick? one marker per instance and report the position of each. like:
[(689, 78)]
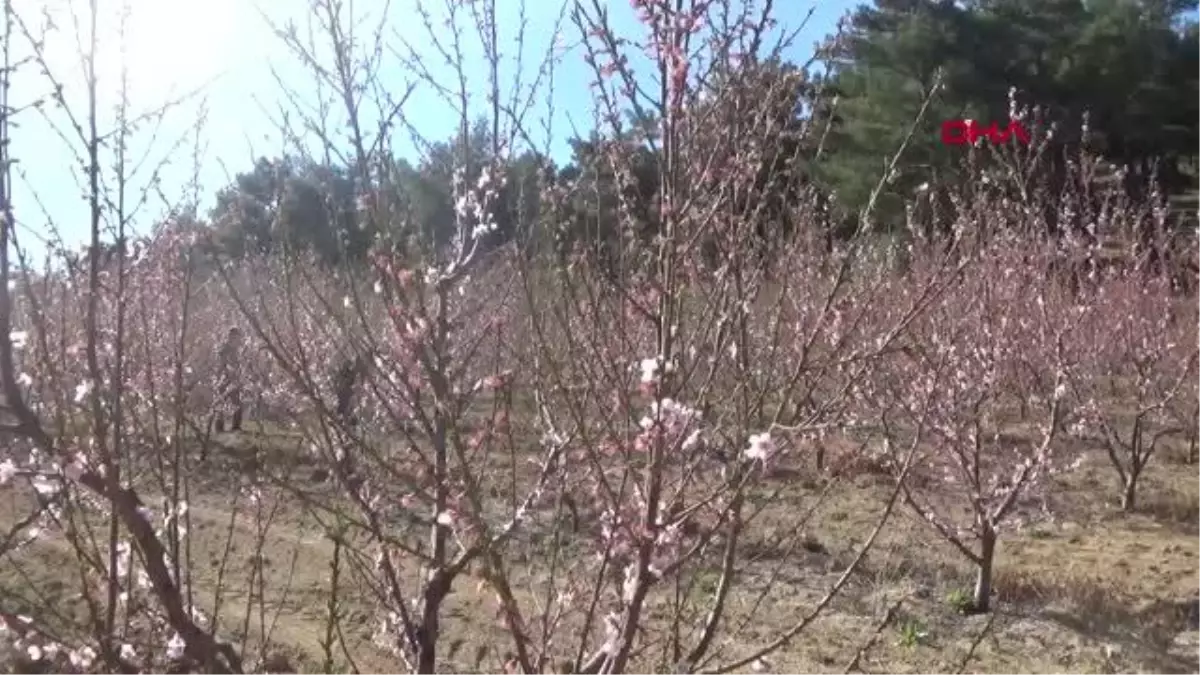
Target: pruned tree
[(1135, 383), (980, 390)]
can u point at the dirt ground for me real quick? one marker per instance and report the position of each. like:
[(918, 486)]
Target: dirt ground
[(1091, 590)]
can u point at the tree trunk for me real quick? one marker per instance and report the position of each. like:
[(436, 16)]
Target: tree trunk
[(1192, 436), (1129, 491), (983, 578)]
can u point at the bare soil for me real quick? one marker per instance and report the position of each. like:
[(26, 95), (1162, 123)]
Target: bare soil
[(1091, 590)]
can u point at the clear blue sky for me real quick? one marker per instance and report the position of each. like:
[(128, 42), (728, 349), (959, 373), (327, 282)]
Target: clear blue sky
[(225, 49)]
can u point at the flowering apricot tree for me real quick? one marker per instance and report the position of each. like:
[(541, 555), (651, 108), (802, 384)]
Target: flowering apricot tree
[(979, 388), (1137, 375), (680, 385)]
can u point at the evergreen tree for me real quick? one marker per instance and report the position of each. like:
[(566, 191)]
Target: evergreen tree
[(1130, 64)]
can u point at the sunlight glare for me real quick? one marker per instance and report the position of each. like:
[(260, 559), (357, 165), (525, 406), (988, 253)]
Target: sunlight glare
[(170, 46)]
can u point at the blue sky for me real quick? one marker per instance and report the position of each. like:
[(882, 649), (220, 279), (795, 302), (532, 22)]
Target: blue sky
[(225, 52)]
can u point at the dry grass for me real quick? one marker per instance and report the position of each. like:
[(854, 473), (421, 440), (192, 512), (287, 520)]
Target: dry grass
[(1094, 591)]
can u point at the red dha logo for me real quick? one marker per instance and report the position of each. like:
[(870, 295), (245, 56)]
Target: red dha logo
[(967, 132)]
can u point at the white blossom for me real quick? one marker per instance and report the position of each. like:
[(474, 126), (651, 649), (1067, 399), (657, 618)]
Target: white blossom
[(669, 411), (44, 486), (83, 657), (175, 647), (649, 368), (7, 471), (761, 447)]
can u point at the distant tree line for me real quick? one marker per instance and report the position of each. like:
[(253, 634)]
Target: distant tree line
[(1130, 66)]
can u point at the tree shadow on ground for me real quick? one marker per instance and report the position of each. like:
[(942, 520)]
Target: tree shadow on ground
[(1147, 632)]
